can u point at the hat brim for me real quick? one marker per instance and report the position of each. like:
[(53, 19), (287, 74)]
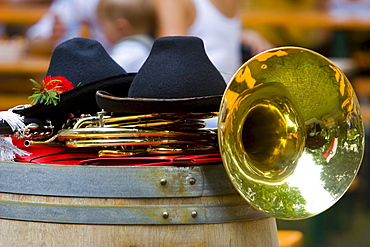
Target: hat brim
[(80, 99), (111, 103)]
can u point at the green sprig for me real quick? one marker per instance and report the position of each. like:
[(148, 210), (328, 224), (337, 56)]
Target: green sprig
[(45, 96)]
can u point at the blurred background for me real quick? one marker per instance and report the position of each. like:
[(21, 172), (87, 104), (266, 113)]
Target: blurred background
[(338, 29)]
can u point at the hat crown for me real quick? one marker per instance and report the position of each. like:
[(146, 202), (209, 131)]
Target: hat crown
[(86, 64), (82, 60), (177, 67)]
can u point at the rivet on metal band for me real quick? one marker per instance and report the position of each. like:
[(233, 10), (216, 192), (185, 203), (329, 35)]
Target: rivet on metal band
[(123, 182)]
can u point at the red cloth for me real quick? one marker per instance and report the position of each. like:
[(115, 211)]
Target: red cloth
[(163, 160), (52, 154), (62, 155)]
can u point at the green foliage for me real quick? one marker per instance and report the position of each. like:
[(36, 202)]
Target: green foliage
[(43, 95)]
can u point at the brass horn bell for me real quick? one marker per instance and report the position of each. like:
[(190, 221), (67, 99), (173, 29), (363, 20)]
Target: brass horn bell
[(290, 132)]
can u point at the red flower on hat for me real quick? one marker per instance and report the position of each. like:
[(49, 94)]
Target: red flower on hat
[(47, 92)]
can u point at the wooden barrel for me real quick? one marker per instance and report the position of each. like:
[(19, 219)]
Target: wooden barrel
[(52, 205)]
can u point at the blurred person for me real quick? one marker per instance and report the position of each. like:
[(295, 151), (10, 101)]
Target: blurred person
[(217, 23), (63, 21), (128, 25)]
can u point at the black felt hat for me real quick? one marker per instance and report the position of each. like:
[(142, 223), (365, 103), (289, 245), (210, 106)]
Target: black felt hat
[(176, 77), (86, 64)]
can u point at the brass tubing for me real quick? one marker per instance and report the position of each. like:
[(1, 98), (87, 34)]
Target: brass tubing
[(127, 142), (130, 133), (28, 143), (143, 120)]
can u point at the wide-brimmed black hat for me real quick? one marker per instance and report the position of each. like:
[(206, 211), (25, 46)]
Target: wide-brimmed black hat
[(86, 64), (177, 76)]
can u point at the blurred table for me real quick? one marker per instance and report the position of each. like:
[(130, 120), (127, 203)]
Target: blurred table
[(24, 65), (15, 75), (21, 13), (306, 20)]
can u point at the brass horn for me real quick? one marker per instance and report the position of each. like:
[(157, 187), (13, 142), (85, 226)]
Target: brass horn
[(290, 132)]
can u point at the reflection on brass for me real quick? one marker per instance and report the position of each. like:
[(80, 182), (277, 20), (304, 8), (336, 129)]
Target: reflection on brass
[(135, 135), (314, 138), (108, 137), (156, 120), (290, 132)]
